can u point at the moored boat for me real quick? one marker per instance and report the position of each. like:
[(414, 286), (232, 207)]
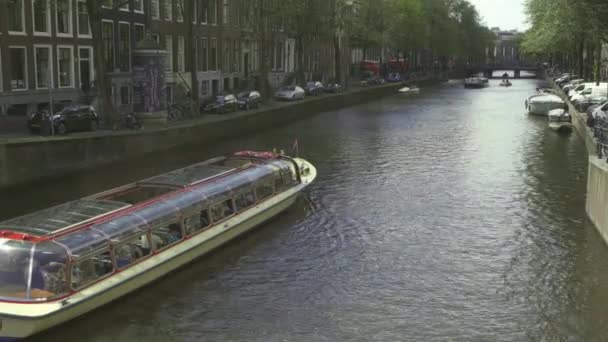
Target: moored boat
[(560, 121), (59, 263), (411, 90), (476, 82), (542, 104)]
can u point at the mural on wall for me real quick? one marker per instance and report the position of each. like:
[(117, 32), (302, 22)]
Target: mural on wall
[(148, 83)]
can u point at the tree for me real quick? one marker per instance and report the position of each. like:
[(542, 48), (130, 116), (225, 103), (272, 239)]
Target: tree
[(107, 104), (191, 15), (567, 28)]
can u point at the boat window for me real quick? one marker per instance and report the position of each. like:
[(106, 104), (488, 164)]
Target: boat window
[(284, 179), (165, 236), (244, 199), (15, 259), (91, 268), (127, 253), (197, 222), (264, 189), (49, 271), (222, 210)]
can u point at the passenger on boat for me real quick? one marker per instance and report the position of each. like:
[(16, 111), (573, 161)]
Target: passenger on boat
[(156, 242), (175, 233), (127, 254)]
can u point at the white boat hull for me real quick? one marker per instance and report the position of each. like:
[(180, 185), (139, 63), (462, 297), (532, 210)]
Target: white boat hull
[(23, 320), (565, 127), (542, 108)]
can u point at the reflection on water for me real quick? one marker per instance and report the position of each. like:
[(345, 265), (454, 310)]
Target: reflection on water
[(450, 216)]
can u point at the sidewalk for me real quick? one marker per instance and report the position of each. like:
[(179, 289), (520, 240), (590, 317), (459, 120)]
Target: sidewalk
[(14, 130)]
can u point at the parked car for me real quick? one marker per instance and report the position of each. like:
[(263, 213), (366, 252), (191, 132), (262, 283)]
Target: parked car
[(394, 77), (589, 102), (249, 99), (592, 108), (571, 84), (222, 103), (564, 80), (600, 111), (373, 80), (290, 93), (591, 91), (314, 88), (332, 87), (71, 118)]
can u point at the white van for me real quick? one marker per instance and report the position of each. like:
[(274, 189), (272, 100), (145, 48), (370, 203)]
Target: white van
[(593, 90), (579, 88)]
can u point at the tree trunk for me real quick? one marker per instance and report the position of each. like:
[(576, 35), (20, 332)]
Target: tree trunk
[(338, 59), (300, 53), (264, 66), (261, 29), (598, 62), (104, 93), (580, 52), (190, 48)]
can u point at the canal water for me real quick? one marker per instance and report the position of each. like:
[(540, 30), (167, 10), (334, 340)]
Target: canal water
[(449, 216)]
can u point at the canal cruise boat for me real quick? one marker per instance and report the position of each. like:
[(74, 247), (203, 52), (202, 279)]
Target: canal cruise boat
[(59, 263)]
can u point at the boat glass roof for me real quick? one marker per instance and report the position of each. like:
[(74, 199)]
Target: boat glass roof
[(84, 241), (189, 175), (122, 227), (51, 220)]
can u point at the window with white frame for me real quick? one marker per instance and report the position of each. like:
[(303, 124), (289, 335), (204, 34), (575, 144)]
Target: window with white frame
[(138, 6), (168, 10), (155, 9), (204, 12), (65, 66), (213, 54), (84, 25), (123, 4), (63, 17), (138, 32), (16, 16), (226, 12), (85, 66), (18, 67), (180, 11), (124, 46), (169, 49), (43, 66), (41, 17), (213, 12), (204, 55), (107, 37), (125, 95), (181, 54)]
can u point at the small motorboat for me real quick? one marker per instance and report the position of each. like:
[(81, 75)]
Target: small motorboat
[(476, 82), (560, 121), (412, 90), (542, 104), (506, 83)]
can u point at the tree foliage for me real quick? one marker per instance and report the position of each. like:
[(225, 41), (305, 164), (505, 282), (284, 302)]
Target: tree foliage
[(567, 29)]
